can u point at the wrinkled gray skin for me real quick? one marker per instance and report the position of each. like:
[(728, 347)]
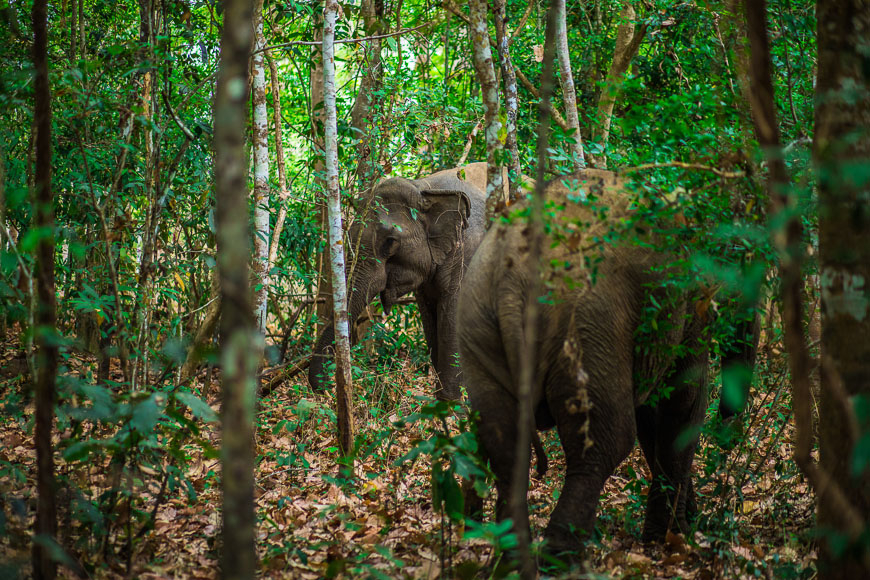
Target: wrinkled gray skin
[(586, 343), (419, 240)]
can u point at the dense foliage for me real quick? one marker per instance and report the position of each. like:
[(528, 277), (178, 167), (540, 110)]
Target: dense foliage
[(135, 230)]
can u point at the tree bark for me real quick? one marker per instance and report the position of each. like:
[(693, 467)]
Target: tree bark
[(260, 146), (627, 44), (45, 528), (569, 94), (482, 57), (841, 147), (343, 383), (324, 279), (525, 417), (283, 191), (238, 335), (361, 114), (842, 498), (509, 78)]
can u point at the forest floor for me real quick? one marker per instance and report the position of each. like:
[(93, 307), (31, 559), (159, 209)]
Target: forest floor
[(756, 510)]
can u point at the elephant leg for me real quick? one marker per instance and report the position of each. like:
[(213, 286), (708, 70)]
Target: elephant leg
[(429, 318), (445, 350), (646, 434), (677, 421), (496, 432), (611, 431)]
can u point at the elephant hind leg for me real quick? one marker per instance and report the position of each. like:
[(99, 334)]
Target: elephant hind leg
[(496, 427), (595, 442), (671, 430)]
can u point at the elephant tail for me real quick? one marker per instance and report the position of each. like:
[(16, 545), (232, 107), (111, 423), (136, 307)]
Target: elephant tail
[(540, 454)]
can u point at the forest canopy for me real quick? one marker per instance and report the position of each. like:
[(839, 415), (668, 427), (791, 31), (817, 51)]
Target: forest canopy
[(239, 283)]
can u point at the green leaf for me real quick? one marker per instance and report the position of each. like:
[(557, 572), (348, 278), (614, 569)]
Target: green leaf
[(197, 406), (861, 456), (78, 451), (465, 467), (146, 414)]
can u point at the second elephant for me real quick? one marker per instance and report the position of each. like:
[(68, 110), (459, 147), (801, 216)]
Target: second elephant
[(418, 236)]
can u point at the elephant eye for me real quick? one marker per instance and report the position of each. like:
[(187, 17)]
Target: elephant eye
[(389, 247)]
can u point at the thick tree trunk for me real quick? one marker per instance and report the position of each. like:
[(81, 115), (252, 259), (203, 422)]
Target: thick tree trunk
[(627, 44), (842, 495), (45, 529), (569, 94), (841, 150), (509, 78), (343, 384), (260, 146), (482, 57), (239, 337)]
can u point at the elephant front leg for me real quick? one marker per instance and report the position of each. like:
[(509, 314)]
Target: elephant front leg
[(445, 350)]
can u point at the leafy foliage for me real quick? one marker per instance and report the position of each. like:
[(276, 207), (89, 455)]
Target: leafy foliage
[(133, 173)]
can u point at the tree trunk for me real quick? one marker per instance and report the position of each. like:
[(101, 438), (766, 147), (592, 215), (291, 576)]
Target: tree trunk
[(510, 95), (361, 115), (525, 416), (841, 148), (482, 57), (283, 192), (204, 333), (45, 529), (627, 44), (569, 94), (343, 384), (324, 284), (842, 495), (260, 145), (238, 335)]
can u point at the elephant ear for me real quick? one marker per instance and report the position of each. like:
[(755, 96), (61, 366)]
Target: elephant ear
[(447, 212)]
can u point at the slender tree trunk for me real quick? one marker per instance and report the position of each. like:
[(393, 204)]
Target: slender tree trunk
[(569, 94), (343, 384), (238, 336), (45, 529), (842, 495), (317, 115), (525, 416), (204, 333), (627, 44), (260, 138), (73, 34), (142, 307), (482, 57), (510, 96), (283, 193), (362, 114), (841, 150)]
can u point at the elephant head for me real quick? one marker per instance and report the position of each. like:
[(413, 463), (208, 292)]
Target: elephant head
[(409, 230)]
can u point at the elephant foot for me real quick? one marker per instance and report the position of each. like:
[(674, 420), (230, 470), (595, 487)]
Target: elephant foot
[(658, 532), (564, 544), (560, 554)]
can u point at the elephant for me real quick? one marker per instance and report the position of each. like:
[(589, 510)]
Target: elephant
[(614, 336), (419, 237)]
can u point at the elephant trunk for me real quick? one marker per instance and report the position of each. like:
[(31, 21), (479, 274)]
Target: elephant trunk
[(360, 296)]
